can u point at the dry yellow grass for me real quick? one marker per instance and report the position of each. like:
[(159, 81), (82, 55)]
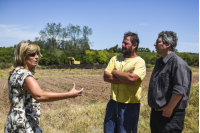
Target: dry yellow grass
[(55, 73), (4, 74), (40, 73), (2, 122), (74, 119), (89, 118)]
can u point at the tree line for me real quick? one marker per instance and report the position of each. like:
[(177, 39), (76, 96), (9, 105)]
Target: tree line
[(57, 43)]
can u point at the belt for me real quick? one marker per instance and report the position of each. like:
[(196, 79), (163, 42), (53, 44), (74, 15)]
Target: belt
[(180, 110), (157, 109)]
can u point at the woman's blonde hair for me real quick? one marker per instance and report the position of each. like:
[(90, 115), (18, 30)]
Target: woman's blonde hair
[(23, 49)]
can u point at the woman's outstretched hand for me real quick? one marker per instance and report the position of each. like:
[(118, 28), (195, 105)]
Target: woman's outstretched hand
[(75, 92)]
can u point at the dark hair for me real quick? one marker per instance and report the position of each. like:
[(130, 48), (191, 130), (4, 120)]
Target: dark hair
[(133, 37), (169, 37)]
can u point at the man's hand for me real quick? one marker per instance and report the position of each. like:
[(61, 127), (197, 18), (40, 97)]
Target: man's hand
[(131, 71), (168, 109), (108, 77), (126, 77), (75, 92), (114, 71), (167, 112)]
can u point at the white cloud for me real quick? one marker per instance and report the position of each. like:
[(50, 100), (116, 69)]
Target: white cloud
[(7, 26), (144, 24), (189, 44), (17, 32), (188, 47)]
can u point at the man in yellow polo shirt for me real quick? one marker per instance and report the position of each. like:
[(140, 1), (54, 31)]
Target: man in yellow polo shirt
[(125, 73)]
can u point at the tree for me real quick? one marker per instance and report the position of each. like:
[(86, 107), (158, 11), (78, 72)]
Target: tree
[(90, 57), (85, 40), (63, 36), (51, 34), (74, 33), (115, 49), (103, 57), (141, 49), (77, 44), (39, 42)]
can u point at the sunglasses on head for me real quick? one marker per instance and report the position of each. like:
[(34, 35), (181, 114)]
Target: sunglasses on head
[(33, 54)]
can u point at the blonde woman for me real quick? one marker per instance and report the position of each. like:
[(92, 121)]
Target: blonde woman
[(25, 93)]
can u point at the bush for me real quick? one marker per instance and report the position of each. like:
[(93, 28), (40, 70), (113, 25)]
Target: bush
[(102, 57), (43, 67), (63, 59), (89, 57), (60, 56), (95, 68), (1, 66), (150, 65), (54, 66), (5, 65)]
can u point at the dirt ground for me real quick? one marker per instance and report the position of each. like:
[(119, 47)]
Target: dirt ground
[(95, 90)]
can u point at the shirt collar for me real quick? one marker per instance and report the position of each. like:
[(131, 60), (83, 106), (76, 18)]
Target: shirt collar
[(169, 56)]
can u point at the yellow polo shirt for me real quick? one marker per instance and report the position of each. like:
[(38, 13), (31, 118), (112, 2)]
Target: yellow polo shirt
[(127, 93)]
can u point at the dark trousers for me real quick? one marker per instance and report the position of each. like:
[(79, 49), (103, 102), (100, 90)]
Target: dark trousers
[(161, 124), (121, 117)]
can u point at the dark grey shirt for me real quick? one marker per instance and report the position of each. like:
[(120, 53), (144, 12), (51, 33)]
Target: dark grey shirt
[(170, 75)]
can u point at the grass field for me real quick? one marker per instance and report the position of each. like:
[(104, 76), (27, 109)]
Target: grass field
[(88, 117)]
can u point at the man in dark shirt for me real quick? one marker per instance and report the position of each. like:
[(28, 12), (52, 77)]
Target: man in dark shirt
[(169, 87)]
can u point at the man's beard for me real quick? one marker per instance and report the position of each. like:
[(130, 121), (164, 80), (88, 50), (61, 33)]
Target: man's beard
[(127, 52)]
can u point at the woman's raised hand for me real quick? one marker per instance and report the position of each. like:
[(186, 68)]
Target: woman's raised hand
[(75, 92)]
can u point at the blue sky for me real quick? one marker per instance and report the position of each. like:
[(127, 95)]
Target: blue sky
[(109, 20)]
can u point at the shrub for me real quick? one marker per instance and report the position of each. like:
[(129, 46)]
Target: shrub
[(89, 57), (95, 68), (96, 63), (103, 57), (4, 65), (54, 66), (43, 67), (63, 59), (150, 65)]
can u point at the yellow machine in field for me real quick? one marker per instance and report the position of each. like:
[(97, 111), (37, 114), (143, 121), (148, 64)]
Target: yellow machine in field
[(72, 61)]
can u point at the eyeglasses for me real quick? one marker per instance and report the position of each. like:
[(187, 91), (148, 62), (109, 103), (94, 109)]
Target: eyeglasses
[(33, 54)]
